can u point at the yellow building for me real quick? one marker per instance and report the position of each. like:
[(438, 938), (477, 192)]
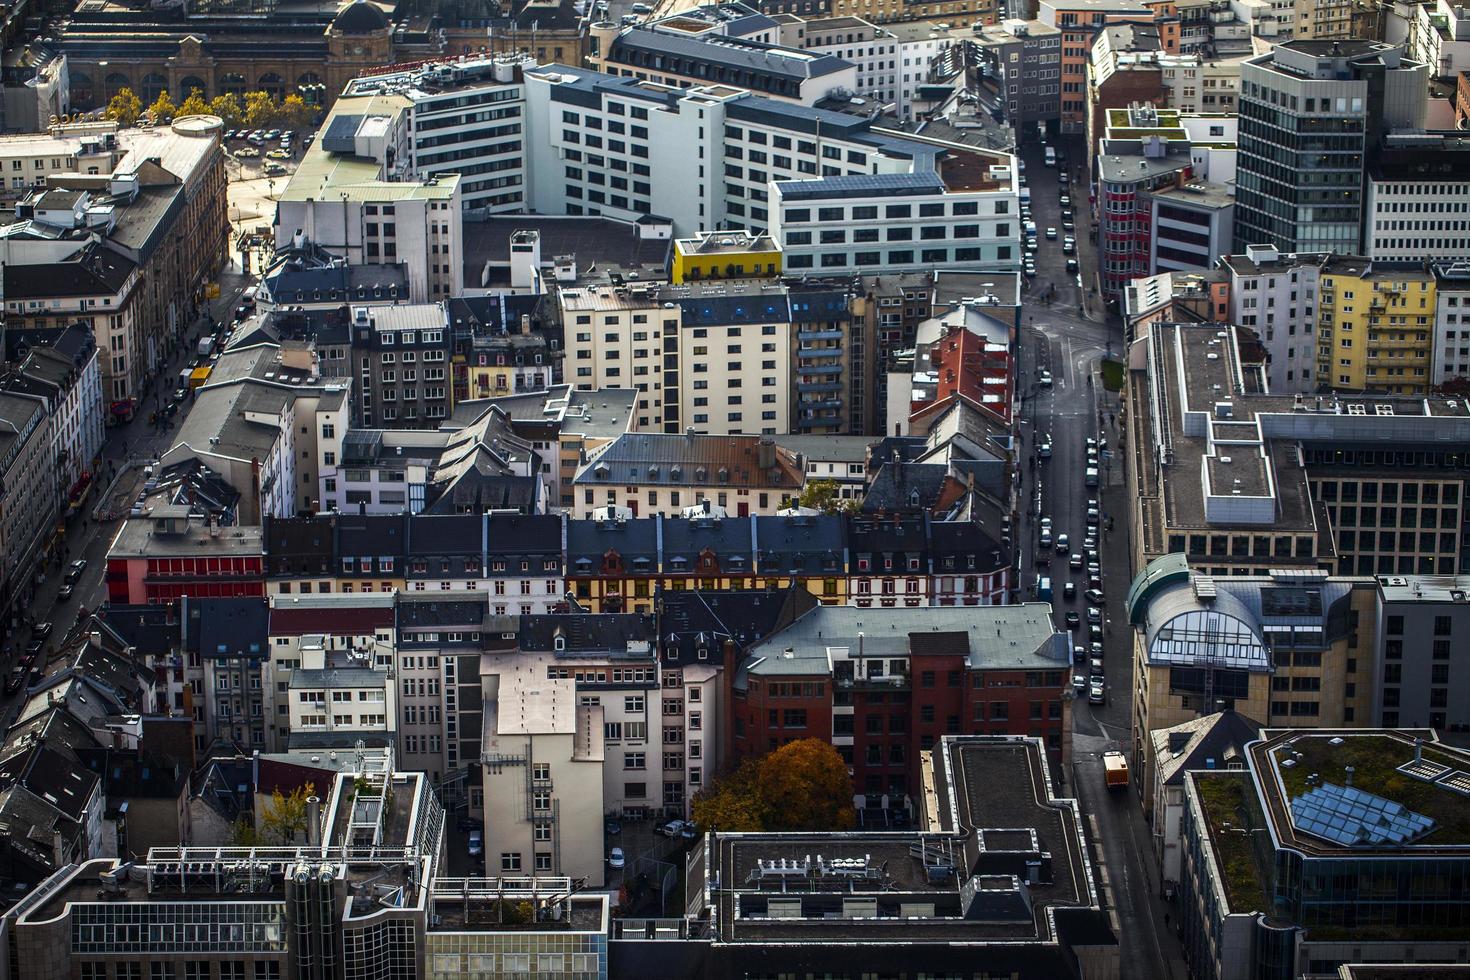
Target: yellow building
[(1292, 648), (1376, 327), (725, 255)]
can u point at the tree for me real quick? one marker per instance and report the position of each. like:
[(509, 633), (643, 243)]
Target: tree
[(125, 107), (260, 109), (731, 802), (824, 495), (284, 816), (226, 106), (803, 785), (242, 833), (806, 787), (295, 112), (162, 109)]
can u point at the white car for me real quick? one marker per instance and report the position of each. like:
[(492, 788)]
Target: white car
[(615, 858), (1051, 234), (1095, 691), (1044, 379)]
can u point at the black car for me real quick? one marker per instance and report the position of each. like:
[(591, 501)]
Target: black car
[(40, 631), (75, 569), (16, 680), (65, 592), (1072, 620)]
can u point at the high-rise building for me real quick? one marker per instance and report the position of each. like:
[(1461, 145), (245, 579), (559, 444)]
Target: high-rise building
[(1310, 112)]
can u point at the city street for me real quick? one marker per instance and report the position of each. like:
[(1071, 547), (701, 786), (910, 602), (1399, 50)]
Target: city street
[(88, 538), (1069, 333)]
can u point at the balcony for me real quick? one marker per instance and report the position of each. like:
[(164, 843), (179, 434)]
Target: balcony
[(805, 404), (804, 387), (828, 369), (818, 421), (818, 334), (819, 352), (886, 682)]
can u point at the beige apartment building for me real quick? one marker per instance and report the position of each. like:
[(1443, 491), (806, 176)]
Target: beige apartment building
[(716, 357), (542, 760)]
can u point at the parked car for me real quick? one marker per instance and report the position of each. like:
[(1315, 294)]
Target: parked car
[(279, 154), (40, 631), (1044, 379), (612, 827), (1064, 544), (1079, 684), (1095, 667), (275, 170), (1094, 615), (1069, 591), (1073, 621), (65, 592), (1043, 448), (1076, 562), (1094, 596), (75, 569), (678, 828), (1072, 265), (1079, 655), (16, 680), (247, 151), (615, 859), (1095, 691), (477, 843)]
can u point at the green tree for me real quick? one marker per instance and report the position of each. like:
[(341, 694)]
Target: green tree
[(242, 833), (125, 107), (825, 496), (803, 785), (284, 817), (295, 113), (260, 109), (162, 109), (226, 106)]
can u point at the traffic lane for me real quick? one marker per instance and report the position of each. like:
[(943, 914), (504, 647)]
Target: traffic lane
[(1121, 840)]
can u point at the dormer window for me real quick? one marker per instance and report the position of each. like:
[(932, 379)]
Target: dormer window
[(559, 643)]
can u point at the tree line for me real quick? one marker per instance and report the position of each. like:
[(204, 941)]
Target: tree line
[(255, 109)]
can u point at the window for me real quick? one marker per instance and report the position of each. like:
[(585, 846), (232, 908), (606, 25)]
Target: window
[(510, 861)]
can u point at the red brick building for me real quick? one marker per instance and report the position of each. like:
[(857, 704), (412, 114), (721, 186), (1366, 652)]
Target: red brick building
[(883, 685), (169, 554)]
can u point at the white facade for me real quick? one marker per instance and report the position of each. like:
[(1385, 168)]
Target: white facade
[(1439, 36), (614, 339), (1410, 220), (1452, 322), (872, 49), (904, 223), (1280, 304)]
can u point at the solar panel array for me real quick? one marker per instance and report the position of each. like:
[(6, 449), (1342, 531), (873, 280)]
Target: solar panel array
[(1352, 817)]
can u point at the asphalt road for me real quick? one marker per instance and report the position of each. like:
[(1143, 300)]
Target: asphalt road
[(86, 538), (1069, 333)]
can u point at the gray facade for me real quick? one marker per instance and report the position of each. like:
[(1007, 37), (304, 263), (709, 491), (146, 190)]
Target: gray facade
[(1309, 113), (1022, 66), (1424, 680)]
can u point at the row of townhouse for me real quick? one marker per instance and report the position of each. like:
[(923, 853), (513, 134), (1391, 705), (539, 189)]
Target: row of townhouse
[(534, 564)]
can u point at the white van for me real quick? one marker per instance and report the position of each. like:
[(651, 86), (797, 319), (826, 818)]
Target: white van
[(1030, 227), (1051, 157)]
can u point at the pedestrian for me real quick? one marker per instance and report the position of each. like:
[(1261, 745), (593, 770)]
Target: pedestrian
[(1166, 920)]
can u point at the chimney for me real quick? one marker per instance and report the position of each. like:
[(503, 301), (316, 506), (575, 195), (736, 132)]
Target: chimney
[(525, 324), (313, 821), (1349, 771), (1418, 749), (766, 453)]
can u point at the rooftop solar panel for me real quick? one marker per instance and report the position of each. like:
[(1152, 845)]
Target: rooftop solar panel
[(1353, 817)]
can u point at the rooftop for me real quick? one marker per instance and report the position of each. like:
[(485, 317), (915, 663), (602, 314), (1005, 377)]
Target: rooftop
[(1428, 779), (1225, 799), (962, 881), (144, 537)]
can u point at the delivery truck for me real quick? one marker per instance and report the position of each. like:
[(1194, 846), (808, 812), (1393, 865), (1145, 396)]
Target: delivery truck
[(1115, 769)]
